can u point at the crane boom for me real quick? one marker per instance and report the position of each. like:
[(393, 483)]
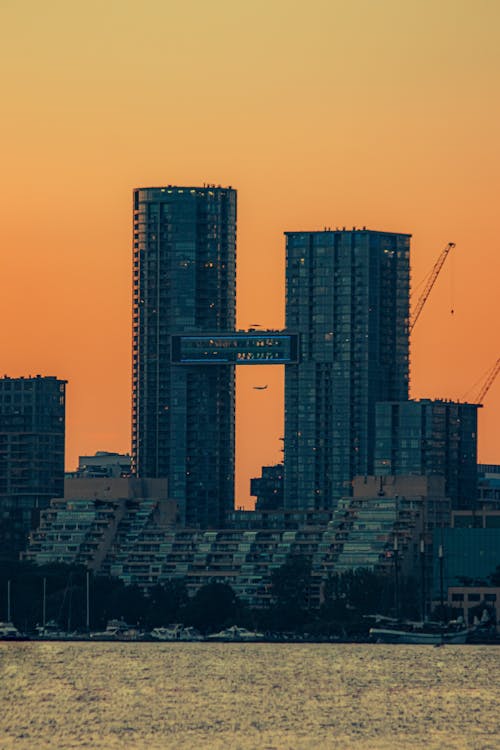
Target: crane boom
[(430, 283), (489, 381)]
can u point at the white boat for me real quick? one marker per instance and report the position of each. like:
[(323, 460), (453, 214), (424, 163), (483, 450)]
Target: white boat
[(176, 632), (234, 633), (116, 630), (190, 634), (422, 633), (9, 632), (169, 633), (52, 632)]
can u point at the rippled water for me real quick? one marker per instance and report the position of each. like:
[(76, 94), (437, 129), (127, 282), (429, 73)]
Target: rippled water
[(230, 696)]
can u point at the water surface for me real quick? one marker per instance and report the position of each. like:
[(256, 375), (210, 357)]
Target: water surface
[(232, 696)]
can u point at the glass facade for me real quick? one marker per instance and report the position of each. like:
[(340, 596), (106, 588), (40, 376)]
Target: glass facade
[(266, 347), (470, 555), (430, 437), (32, 431), (347, 295), (184, 268)]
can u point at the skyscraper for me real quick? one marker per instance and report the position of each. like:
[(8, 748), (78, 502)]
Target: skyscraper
[(347, 295), (32, 431), (184, 269)]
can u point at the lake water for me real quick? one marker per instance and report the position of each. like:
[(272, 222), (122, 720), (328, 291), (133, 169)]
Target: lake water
[(231, 696)]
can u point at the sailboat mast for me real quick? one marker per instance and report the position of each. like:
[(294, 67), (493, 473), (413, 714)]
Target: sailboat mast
[(422, 576), (87, 602), (441, 579), (44, 603)]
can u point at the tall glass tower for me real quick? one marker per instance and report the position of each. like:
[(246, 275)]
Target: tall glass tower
[(184, 269), (347, 295), (32, 432)]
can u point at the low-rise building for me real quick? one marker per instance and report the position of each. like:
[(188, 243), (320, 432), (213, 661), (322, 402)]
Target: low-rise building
[(127, 528), (102, 464), (470, 602), (95, 518)]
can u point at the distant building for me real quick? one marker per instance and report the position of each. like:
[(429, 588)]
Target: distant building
[(488, 482), (268, 488), (470, 602), (470, 555), (476, 518), (102, 464), (347, 295), (430, 437), (32, 432)]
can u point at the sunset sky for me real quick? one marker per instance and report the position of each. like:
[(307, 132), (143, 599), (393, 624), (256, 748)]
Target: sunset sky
[(377, 113)]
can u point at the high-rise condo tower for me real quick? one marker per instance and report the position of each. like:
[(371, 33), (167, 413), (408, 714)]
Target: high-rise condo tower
[(184, 267), (347, 295)]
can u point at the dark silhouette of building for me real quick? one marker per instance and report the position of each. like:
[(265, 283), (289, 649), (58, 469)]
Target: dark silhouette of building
[(184, 261), (32, 431), (430, 437), (102, 464), (268, 488), (347, 295)]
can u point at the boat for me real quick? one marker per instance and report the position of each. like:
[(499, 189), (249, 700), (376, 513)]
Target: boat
[(51, 631), (176, 632), (9, 632), (420, 633), (234, 633), (190, 634), (169, 633), (116, 630)]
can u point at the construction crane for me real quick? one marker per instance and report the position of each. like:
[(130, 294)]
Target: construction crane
[(490, 379), (430, 283)]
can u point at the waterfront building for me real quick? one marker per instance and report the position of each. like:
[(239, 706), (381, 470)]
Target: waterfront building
[(184, 267), (32, 432), (137, 539), (347, 295), (430, 437), (387, 517), (471, 601), (476, 518), (470, 557), (97, 518)]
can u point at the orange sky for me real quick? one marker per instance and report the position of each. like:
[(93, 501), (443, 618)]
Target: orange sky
[(380, 113)]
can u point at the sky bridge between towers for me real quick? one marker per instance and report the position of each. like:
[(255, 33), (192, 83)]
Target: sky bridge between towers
[(235, 348)]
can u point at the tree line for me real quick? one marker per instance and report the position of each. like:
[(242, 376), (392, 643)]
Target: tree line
[(345, 600)]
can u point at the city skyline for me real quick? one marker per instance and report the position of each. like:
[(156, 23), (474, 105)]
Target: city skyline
[(308, 140)]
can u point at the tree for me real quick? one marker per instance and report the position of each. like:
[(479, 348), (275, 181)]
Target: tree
[(290, 594), (213, 607), (355, 593), (165, 603)]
